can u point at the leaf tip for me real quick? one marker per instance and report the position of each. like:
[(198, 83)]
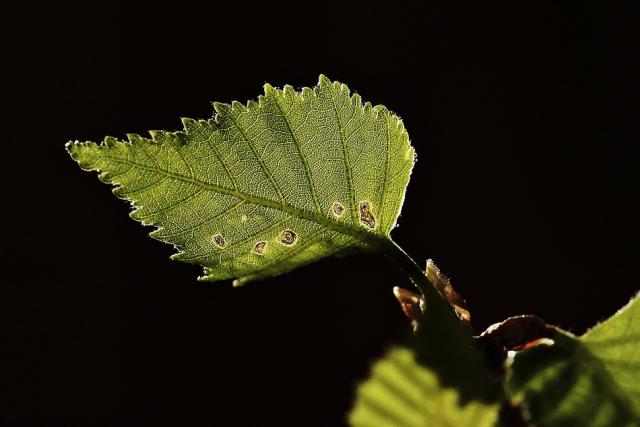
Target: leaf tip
[(220, 107), (110, 141), (381, 110), (72, 147), (155, 134), (237, 106), (324, 80), (187, 123), (269, 90), (308, 92), (133, 137), (82, 152)]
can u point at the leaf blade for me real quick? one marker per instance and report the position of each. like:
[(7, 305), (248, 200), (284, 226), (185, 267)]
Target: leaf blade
[(436, 379), (578, 380), (402, 392), (224, 191)]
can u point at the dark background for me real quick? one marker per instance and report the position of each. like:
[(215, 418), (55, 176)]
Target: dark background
[(523, 117)]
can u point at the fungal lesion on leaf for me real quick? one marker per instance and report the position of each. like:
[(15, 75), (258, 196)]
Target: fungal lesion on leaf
[(259, 247), (219, 240), (337, 209), (287, 237), (366, 214)]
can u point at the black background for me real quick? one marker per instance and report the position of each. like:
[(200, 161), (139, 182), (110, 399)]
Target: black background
[(523, 116)]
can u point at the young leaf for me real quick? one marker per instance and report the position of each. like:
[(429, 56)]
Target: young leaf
[(404, 393), (265, 187), (593, 380)]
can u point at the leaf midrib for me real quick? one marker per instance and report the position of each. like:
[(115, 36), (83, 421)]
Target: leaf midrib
[(370, 238)]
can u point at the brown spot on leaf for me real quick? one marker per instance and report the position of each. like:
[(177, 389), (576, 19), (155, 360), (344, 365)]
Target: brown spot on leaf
[(338, 209), (259, 247), (219, 240), (287, 237), (366, 215)]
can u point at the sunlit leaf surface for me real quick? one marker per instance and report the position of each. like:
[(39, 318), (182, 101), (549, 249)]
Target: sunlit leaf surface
[(265, 187), (437, 379), (590, 381)]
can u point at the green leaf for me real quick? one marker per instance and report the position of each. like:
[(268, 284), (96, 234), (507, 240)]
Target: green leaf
[(593, 380), (437, 379), (265, 187), (404, 393)]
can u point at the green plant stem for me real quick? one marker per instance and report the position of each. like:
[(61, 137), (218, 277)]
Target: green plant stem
[(409, 267)]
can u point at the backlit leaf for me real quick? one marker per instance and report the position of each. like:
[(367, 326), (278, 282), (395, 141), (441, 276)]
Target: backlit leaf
[(403, 393), (590, 381), (438, 379), (265, 187)]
